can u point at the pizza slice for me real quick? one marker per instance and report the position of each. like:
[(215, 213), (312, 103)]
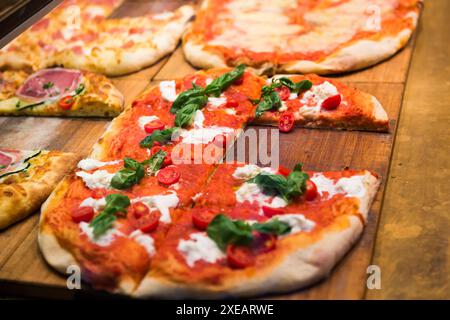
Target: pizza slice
[(58, 92), (193, 118), (110, 217), (316, 102), (266, 231), (26, 180)]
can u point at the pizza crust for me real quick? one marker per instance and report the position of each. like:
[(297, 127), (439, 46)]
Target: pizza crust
[(20, 199)]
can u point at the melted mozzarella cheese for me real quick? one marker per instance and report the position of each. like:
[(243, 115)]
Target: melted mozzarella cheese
[(97, 204), (104, 240), (199, 118), (144, 240), (313, 98), (297, 222), (168, 90), (199, 247), (252, 193), (162, 203), (97, 179), (215, 102), (203, 135), (249, 171), (90, 164), (142, 121)]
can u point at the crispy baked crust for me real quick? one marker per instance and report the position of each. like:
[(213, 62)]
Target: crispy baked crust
[(100, 99), (354, 56), (21, 195)]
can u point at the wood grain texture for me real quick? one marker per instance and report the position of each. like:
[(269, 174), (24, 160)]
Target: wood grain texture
[(412, 248), (22, 269)]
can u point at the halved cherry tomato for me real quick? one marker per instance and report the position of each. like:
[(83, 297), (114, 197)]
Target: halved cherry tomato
[(66, 102), (332, 102), (202, 217), (286, 122), (284, 171), (167, 159), (82, 214), (168, 175), (139, 209), (263, 242), (232, 103), (270, 211), (148, 222), (220, 140), (239, 81), (154, 125), (240, 257), (283, 92), (311, 190)]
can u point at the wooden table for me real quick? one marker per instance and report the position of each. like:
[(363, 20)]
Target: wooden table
[(409, 240)]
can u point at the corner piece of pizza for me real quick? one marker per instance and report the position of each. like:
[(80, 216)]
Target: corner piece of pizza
[(58, 92), (167, 232), (27, 178), (315, 102), (322, 37)]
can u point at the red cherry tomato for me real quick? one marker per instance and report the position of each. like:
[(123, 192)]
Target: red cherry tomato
[(168, 175), (139, 209), (263, 242), (201, 218), (220, 140), (239, 81), (286, 122), (154, 125), (311, 190), (284, 171), (82, 214), (332, 102), (232, 103), (66, 102), (240, 257), (283, 92), (146, 223), (270, 211)]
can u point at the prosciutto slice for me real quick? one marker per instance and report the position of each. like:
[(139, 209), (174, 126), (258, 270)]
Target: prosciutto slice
[(49, 83)]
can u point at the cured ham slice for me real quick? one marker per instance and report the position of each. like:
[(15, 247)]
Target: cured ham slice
[(49, 83)]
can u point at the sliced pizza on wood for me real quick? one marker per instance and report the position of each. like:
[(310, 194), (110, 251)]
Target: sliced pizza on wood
[(58, 92), (315, 102), (27, 178), (266, 231)]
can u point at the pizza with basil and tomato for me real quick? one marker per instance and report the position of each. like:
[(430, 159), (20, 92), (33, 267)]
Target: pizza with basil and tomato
[(58, 92), (27, 178), (83, 39), (293, 36), (146, 229)]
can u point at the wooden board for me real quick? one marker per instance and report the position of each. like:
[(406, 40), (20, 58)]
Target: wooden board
[(22, 268)]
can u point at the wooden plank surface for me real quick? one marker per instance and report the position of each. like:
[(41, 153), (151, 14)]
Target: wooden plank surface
[(23, 269), (413, 248)]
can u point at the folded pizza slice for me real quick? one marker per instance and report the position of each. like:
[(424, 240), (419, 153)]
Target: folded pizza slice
[(58, 92), (316, 102), (258, 230), (193, 118), (27, 178), (109, 217)]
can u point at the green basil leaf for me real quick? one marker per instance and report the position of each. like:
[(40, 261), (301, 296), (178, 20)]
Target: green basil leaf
[(156, 161), (287, 83), (269, 100), (224, 231), (185, 116), (302, 86), (125, 178), (296, 184), (185, 96), (273, 226), (162, 136), (221, 83), (272, 184), (298, 167), (115, 203), (79, 89)]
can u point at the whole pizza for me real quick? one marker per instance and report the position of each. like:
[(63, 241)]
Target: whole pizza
[(323, 37)]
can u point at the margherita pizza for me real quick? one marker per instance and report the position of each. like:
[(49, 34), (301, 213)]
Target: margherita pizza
[(58, 92), (27, 178), (293, 36)]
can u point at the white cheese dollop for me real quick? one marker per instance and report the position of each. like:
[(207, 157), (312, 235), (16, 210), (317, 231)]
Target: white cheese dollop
[(161, 202), (142, 121), (104, 240), (97, 179), (203, 135), (297, 222), (199, 247), (313, 98), (216, 102), (252, 193), (168, 90), (144, 240), (97, 204), (199, 118), (250, 171), (90, 164)]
